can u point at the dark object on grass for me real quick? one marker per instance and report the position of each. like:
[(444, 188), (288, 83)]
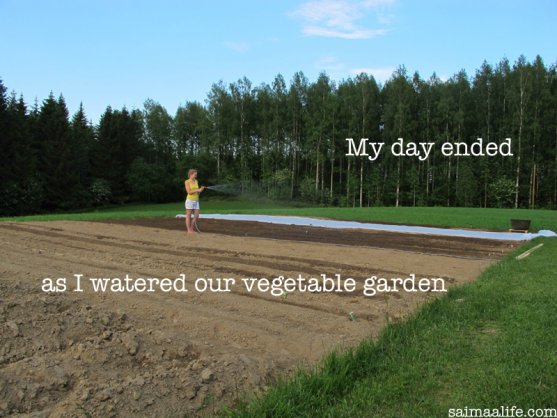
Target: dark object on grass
[(522, 225)]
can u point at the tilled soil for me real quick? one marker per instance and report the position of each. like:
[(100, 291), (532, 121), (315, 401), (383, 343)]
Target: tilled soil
[(157, 354), (428, 244)]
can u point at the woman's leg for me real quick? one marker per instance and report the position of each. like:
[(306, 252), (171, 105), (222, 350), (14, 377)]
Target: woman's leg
[(188, 221), (195, 218)]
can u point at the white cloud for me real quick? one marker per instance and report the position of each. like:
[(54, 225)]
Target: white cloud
[(237, 46), (376, 3), (332, 66), (339, 18), (355, 33), (385, 19), (379, 73)]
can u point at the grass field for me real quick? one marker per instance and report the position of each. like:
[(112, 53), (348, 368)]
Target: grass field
[(495, 219), (152, 210), (490, 343)]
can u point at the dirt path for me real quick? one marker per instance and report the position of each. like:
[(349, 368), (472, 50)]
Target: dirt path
[(164, 354)]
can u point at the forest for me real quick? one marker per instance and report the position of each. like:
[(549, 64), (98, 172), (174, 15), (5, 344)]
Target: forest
[(287, 141)]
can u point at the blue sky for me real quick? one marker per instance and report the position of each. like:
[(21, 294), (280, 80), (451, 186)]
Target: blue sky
[(122, 52)]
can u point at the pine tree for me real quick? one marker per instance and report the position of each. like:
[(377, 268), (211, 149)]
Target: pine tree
[(117, 145), (58, 178), (7, 147), (81, 140)]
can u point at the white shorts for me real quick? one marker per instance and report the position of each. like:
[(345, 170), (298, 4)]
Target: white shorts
[(192, 204)]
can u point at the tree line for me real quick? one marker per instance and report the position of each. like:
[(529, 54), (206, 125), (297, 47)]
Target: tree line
[(287, 141)]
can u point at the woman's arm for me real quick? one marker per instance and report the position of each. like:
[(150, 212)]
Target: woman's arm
[(188, 189)]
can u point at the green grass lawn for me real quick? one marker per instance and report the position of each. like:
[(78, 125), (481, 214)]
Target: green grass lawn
[(152, 210), (489, 343), (495, 219)]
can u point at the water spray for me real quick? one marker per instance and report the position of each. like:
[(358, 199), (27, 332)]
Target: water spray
[(231, 188), (247, 189)]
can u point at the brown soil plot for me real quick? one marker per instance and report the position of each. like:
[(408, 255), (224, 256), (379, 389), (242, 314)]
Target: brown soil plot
[(163, 354)]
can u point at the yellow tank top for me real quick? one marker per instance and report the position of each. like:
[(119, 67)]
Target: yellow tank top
[(193, 186)]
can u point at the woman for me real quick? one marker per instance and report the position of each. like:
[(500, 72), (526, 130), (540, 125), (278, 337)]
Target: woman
[(192, 200)]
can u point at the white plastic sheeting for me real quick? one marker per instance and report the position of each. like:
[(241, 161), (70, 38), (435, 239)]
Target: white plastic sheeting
[(330, 223)]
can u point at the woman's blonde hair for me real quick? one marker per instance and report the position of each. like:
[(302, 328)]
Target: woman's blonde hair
[(191, 171)]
